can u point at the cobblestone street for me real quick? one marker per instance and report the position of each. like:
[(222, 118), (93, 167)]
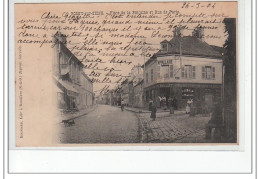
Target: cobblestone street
[(106, 124), (176, 128)]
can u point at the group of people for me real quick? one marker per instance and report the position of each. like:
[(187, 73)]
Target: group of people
[(216, 118)]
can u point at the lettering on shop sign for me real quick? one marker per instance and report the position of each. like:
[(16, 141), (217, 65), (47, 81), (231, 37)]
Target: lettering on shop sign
[(164, 62)]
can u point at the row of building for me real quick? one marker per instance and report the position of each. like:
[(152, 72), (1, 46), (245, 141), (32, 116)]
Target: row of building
[(73, 88), (185, 67)]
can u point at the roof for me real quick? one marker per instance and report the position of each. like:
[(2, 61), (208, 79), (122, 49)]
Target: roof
[(219, 49), (71, 55), (150, 60), (192, 46), (189, 46), (125, 81), (86, 76), (165, 41), (140, 82)]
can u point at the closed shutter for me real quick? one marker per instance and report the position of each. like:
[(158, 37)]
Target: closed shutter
[(158, 72), (151, 75), (182, 72), (213, 72), (171, 71), (203, 73), (193, 72)]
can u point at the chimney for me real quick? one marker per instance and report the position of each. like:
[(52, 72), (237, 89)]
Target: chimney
[(177, 32), (198, 32)]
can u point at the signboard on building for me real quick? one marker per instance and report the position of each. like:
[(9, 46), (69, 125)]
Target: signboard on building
[(164, 62), (187, 93)]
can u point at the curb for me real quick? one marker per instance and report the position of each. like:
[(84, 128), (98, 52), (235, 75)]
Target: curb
[(145, 111), (80, 114)]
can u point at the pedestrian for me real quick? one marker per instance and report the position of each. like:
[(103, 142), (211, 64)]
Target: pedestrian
[(150, 105), (160, 100), (175, 103), (190, 102), (153, 113), (171, 104), (187, 109), (122, 105)]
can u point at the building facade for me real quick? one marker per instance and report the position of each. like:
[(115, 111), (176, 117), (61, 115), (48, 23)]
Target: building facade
[(138, 95), (125, 92), (86, 91), (186, 67), (75, 87)]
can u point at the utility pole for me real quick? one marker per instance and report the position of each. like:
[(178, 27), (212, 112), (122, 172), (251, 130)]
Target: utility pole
[(180, 54), (144, 56)]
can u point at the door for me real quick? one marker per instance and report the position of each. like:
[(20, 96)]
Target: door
[(209, 100)]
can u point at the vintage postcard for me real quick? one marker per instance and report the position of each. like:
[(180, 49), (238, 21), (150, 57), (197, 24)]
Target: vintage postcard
[(162, 73)]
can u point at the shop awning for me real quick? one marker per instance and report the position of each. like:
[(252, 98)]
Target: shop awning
[(71, 91), (56, 89), (68, 86)]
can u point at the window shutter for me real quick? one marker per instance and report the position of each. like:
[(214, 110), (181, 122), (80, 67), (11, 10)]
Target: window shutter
[(151, 74), (171, 70), (193, 72), (182, 72), (203, 72), (213, 72), (159, 72)]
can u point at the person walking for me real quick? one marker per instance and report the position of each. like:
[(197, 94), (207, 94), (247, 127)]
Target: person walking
[(153, 113), (122, 105)]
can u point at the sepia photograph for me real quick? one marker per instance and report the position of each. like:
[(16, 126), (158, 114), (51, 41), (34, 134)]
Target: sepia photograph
[(126, 73)]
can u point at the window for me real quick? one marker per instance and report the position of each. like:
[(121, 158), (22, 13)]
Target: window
[(146, 77), (164, 47), (188, 71), (208, 72), (171, 71), (151, 75), (166, 74), (159, 71)]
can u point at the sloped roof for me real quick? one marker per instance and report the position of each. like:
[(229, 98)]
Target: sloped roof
[(191, 46), (219, 49), (165, 41)]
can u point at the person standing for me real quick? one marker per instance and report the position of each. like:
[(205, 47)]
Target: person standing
[(153, 113), (122, 105), (150, 105), (175, 103)]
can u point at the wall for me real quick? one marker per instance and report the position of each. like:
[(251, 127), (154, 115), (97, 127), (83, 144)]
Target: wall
[(198, 62)]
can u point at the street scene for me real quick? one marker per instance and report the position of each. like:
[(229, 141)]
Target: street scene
[(179, 88), (131, 126), (105, 124)]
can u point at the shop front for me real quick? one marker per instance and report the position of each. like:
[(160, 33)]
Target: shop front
[(69, 99), (200, 94)]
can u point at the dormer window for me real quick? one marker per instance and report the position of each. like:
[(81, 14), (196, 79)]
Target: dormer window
[(164, 47)]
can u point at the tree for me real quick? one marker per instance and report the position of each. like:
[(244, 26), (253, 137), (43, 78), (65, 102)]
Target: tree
[(230, 91), (230, 80)]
